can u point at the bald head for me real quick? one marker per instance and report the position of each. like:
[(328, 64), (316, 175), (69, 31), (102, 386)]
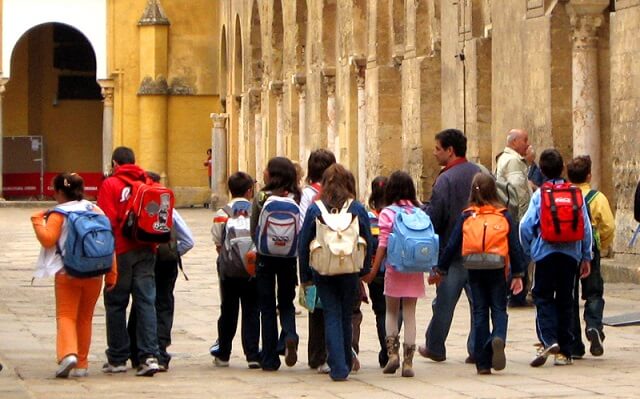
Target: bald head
[(518, 140)]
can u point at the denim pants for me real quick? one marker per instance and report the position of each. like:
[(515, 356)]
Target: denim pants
[(553, 285), (443, 306), (592, 294), (338, 294), (135, 278), (489, 293), (166, 274), (236, 292), (269, 270)]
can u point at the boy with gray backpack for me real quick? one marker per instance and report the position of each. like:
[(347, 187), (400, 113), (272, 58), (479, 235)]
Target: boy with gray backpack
[(236, 270)]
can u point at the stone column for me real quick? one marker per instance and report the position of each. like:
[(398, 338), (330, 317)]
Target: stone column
[(258, 143), (300, 81), (276, 88), (3, 82), (586, 17), (219, 158), (362, 128), (333, 140), (107, 86)]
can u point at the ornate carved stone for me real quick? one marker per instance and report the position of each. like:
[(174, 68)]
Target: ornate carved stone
[(153, 14), (585, 30), (219, 120), (149, 86), (180, 87), (255, 99), (107, 89), (299, 80)]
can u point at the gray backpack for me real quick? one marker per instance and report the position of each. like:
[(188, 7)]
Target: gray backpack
[(236, 241)]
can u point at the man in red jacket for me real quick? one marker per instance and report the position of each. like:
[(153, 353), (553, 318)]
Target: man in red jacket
[(136, 263)]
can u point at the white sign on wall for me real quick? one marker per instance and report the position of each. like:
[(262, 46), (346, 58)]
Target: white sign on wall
[(87, 16)]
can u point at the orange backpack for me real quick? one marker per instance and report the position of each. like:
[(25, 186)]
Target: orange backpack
[(485, 238)]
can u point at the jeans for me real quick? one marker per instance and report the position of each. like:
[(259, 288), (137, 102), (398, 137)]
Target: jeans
[(236, 292), (166, 274), (135, 278), (443, 305), (268, 270), (379, 306), (592, 293), (338, 294), (488, 292), (554, 279)]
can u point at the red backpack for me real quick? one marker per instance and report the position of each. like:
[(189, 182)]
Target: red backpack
[(149, 212), (561, 217)]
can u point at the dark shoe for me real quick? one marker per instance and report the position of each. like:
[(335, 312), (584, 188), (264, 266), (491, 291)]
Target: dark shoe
[(253, 364), (595, 337), (519, 304), (543, 353), (163, 367), (424, 352), (470, 360), (383, 358), (498, 359), (484, 371), (290, 353)]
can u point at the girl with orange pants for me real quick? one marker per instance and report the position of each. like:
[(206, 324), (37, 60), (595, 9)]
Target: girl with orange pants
[(75, 297)]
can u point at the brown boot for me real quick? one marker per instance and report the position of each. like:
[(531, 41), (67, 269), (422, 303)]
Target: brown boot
[(407, 362), (393, 346)]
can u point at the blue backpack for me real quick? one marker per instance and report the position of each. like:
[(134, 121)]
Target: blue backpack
[(278, 227), (88, 250), (413, 243)]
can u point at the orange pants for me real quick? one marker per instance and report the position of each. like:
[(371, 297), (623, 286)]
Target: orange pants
[(75, 301)]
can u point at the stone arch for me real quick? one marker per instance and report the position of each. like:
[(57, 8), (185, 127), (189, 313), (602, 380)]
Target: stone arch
[(255, 42), (302, 16), (224, 64), (237, 60), (277, 41), (398, 31)]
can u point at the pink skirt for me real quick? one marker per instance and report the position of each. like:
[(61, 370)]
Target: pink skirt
[(403, 285)]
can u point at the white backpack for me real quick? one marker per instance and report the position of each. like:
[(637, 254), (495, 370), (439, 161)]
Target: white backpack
[(338, 247)]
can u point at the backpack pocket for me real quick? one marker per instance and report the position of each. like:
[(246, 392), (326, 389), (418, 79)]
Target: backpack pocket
[(279, 235)]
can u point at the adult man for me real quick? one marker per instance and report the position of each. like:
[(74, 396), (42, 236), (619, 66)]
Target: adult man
[(512, 168), (450, 195), (136, 264)]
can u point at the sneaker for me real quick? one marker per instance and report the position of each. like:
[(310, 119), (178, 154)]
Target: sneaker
[(470, 360), (148, 368), (595, 337), (66, 365), (163, 368), (214, 350), (323, 368), (561, 360), (114, 368), (290, 353), (484, 371), (219, 362), (79, 373), (498, 359), (253, 364), (543, 353), (355, 362), (424, 352)]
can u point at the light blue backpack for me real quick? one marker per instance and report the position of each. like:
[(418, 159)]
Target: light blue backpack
[(413, 243)]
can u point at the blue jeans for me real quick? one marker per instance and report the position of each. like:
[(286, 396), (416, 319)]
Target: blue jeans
[(135, 278), (268, 270), (553, 283), (592, 293), (443, 306), (338, 294), (489, 292)]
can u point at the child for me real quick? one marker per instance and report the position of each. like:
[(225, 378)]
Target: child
[(556, 264), (399, 288), (281, 183), (487, 277), (338, 292), (319, 161), (603, 225), (236, 288), (75, 297)]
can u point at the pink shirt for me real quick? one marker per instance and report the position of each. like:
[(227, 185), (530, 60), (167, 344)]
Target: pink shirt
[(386, 218)]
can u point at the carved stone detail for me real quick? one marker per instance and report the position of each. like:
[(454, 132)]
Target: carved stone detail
[(149, 86), (153, 14)]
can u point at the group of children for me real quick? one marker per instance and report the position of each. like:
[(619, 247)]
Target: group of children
[(493, 258)]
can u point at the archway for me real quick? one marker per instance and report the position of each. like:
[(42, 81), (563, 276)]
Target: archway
[(52, 94)]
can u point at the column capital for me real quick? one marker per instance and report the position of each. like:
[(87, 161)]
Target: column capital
[(3, 82), (329, 79), (299, 80), (586, 16), (107, 87), (219, 120), (277, 87), (255, 96)]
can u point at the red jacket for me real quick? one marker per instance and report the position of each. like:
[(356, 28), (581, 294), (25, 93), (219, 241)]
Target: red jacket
[(113, 196)]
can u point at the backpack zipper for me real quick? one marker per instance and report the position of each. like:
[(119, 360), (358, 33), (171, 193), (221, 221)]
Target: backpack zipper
[(484, 236)]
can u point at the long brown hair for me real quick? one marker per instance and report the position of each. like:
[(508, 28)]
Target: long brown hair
[(338, 186), (483, 191)]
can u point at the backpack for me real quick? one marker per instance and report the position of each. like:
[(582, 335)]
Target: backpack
[(278, 227), (375, 234), (149, 212), (88, 250), (338, 247), (485, 238), (561, 218), (591, 195), (168, 252), (413, 243), (236, 241)]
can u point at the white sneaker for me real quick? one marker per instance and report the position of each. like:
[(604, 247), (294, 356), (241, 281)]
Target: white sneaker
[(323, 368), (148, 368), (66, 365), (220, 363), (114, 368), (79, 373)]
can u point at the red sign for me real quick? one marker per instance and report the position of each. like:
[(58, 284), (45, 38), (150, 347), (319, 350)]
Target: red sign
[(28, 184)]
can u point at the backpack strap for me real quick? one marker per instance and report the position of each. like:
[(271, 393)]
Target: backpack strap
[(323, 208), (554, 210), (576, 210), (591, 195)]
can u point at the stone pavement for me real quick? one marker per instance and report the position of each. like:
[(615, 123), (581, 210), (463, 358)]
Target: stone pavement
[(27, 345)]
